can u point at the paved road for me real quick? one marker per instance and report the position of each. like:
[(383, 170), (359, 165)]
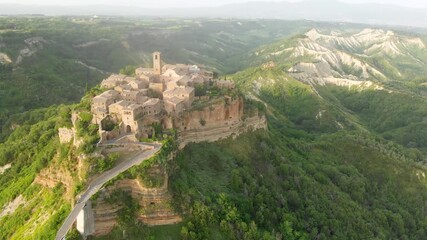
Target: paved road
[(98, 182)]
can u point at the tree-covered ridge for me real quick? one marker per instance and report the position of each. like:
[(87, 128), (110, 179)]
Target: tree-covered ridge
[(308, 181), (340, 186), (400, 117), (307, 177)]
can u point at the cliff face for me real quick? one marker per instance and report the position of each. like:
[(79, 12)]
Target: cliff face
[(67, 134), (155, 206), (225, 112), (218, 121), (54, 175)]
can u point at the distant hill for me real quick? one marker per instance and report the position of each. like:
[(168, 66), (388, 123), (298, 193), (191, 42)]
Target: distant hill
[(348, 58), (326, 10), (373, 78)]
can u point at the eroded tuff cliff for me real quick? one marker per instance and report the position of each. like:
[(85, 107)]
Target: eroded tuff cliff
[(217, 121), (155, 205)]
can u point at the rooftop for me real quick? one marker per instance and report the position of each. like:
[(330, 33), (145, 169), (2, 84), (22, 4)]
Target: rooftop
[(108, 94), (121, 103), (179, 91), (133, 106), (151, 101), (174, 100), (116, 77), (105, 96)]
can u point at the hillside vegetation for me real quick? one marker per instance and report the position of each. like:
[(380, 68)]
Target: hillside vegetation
[(336, 162), (309, 176), (298, 181), (32, 147)]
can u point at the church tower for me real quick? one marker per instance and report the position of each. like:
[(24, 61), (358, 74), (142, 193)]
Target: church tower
[(157, 63)]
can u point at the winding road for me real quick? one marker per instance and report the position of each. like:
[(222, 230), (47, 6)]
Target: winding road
[(150, 150)]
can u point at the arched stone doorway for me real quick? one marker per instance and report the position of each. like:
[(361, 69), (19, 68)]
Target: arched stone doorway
[(128, 129)]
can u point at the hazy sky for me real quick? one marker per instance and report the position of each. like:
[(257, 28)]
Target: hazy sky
[(192, 3)]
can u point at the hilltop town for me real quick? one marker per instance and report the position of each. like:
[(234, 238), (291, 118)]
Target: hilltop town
[(155, 96), (185, 99)]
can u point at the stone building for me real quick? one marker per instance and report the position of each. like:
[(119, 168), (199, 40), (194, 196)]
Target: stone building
[(157, 63), (130, 116), (113, 81), (123, 87), (138, 84), (152, 107), (134, 96), (100, 104), (184, 93), (174, 106), (105, 99), (157, 87), (135, 103), (116, 110), (144, 73)]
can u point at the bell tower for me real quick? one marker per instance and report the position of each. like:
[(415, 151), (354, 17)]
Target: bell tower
[(157, 63)]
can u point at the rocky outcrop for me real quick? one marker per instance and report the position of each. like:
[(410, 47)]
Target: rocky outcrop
[(221, 132), (220, 112), (368, 41), (155, 204), (217, 121), (105, 217), (65, 135), (4, 168), (34, 44), (54, 175), (68, 134), (12, 206), (5, 59)]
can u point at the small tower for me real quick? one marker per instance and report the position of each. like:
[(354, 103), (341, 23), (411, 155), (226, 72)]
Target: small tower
[(157, 63)]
